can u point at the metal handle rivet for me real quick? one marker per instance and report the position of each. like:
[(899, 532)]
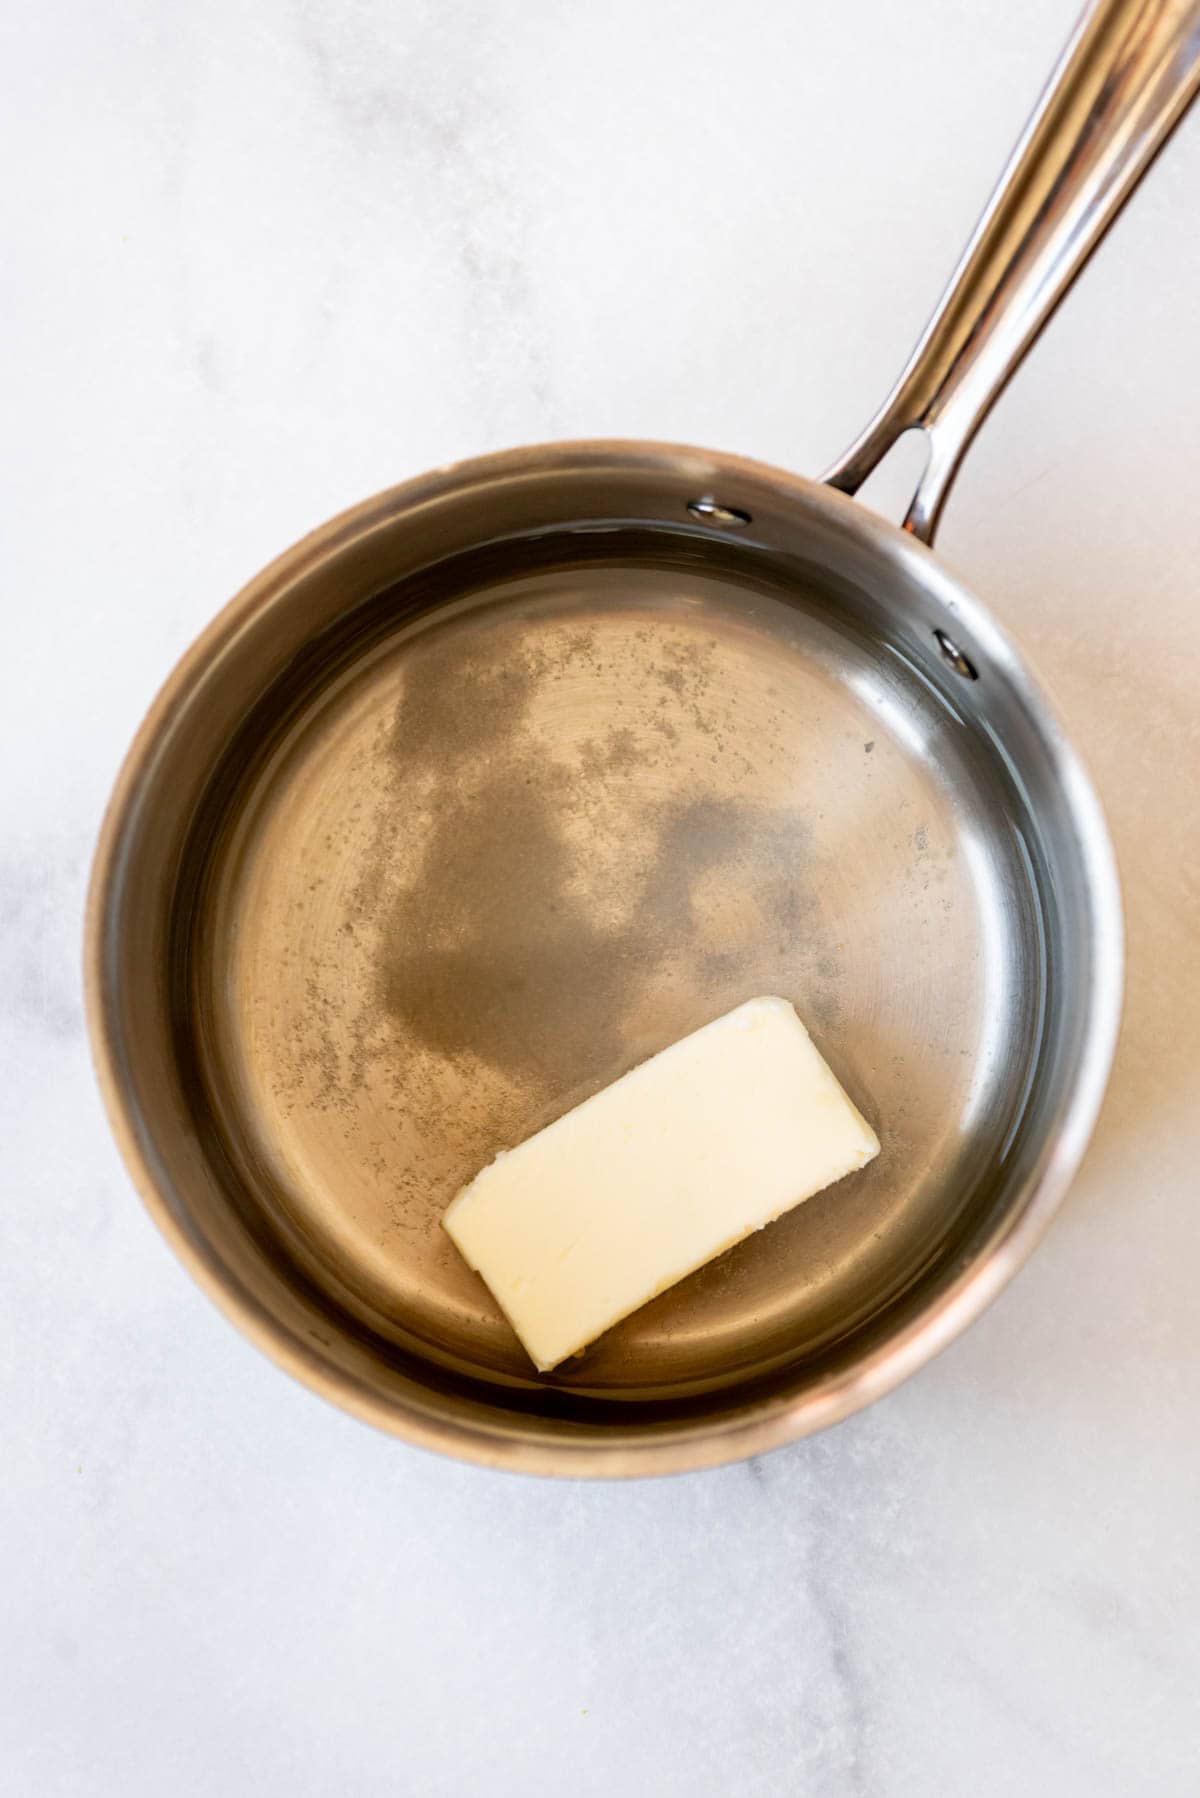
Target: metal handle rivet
[(960, 663), (710, 512)]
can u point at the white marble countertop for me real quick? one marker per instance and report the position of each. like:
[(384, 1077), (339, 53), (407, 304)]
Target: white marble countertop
[(261, 261)]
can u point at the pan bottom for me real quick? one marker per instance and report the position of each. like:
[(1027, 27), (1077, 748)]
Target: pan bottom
[(522, 839)]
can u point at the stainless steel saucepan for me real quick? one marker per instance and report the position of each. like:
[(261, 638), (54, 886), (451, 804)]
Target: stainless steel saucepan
[(505, 779)]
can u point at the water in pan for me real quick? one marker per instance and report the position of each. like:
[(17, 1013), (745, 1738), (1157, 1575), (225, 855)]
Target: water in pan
[(529, 839)]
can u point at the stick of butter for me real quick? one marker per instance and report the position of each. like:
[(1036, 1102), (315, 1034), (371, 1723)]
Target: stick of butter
[(649, 1179)]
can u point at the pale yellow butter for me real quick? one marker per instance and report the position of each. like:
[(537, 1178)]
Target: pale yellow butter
[(667, 1167)]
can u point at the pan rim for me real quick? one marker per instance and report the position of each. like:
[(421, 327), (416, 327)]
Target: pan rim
[(784, 1417)]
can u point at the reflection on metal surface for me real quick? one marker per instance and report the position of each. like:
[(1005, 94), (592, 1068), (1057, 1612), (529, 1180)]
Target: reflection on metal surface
[(894, 708), (710, 512), (960, 663), (1009, 986), (1124, 81)]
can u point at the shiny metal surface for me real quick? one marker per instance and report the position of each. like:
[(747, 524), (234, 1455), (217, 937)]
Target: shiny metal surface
[(508, 777), (422, 843), (710, 511), (951, 653), (1123, 83), (522, 847)]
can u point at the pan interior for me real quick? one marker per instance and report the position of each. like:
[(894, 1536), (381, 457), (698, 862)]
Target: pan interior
[(487, 851)]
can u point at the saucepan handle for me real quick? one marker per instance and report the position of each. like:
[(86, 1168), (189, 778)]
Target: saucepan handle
[(1122, 84)]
